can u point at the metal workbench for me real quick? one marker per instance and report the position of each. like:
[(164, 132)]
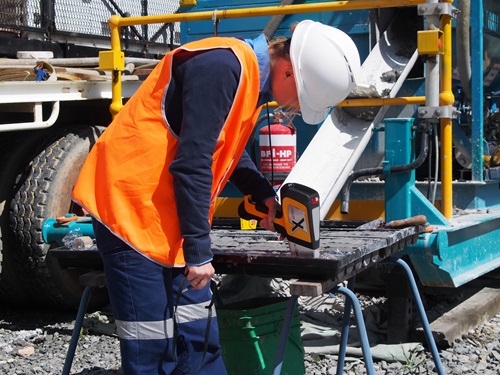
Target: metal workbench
[(343, 253)]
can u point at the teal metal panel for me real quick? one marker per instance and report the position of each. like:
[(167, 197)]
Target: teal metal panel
[(399, 135), (426, 263), (403, 199), (476, 195), (452, 256), (420, 205)]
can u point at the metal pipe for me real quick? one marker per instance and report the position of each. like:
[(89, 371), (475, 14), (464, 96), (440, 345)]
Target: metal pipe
[(461, 142), (116, 82), (446, 98), (378, 102), (436, 167), (375, 102), (77, 61), (422, 313), (379, 171), (432, 66), (84, 301)]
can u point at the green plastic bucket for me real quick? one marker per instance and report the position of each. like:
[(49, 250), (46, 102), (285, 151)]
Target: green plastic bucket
[(250, 334)]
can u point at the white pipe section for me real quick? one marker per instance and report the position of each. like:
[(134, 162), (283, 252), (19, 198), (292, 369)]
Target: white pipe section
[(432, 80), (38, 122)]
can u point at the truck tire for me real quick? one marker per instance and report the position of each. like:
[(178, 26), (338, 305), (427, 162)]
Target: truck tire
[(42, 190), (14, 154)]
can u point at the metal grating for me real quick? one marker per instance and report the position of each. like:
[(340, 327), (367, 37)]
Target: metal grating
[(14, 14), (343, 253), (64, 20)]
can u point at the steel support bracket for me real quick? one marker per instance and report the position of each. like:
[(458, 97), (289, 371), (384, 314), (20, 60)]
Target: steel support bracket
[(437, 9), (437, 112)]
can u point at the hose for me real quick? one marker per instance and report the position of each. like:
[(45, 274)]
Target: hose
[(268, 117), (275, 21), (379, 171), (463, 46)]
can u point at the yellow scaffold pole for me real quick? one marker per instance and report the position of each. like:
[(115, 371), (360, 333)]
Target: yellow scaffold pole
[(446, 98)]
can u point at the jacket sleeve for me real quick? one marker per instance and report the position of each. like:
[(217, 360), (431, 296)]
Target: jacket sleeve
[(249, 181), (203, 87)]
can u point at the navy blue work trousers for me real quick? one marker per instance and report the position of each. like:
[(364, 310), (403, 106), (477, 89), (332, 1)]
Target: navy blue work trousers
[(161, 321)]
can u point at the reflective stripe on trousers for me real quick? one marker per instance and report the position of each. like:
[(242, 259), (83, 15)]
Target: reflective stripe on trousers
[(162, 329), (142, 296)]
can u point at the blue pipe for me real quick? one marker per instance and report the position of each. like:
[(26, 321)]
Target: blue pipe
[(76, 329), (353, 302), (423, 316), (287, 325)]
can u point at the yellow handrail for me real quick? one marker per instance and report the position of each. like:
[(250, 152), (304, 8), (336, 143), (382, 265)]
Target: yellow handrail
[(377, 102), (265, 11), (374, 102)]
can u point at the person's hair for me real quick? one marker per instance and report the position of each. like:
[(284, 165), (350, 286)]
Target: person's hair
[(279, 48)]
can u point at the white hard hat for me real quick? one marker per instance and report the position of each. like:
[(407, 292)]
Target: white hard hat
[(325, 63)]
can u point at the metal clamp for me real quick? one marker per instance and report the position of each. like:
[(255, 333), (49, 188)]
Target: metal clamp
[(438, 112), (438, 9), (215, 21)]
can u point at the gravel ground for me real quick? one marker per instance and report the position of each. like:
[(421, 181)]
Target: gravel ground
[(36, 342)]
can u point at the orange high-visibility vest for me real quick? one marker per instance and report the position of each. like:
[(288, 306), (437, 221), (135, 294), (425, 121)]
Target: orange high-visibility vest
[(125, 182)]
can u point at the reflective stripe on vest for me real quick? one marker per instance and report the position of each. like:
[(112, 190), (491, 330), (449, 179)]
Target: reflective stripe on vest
[(125, 182), (162, 329)]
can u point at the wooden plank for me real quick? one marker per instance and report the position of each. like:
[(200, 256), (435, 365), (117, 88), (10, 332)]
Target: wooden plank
[(474, 311), (309, 288)]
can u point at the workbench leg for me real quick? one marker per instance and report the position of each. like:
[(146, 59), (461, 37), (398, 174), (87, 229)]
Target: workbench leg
[(344, 333), (423, 316), (76, 329), (352, 301), (285, 332)]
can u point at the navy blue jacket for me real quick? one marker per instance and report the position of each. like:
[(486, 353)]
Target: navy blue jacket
[(199, 98)]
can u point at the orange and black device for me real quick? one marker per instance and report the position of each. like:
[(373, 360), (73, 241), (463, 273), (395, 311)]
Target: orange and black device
[(298, 220)]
